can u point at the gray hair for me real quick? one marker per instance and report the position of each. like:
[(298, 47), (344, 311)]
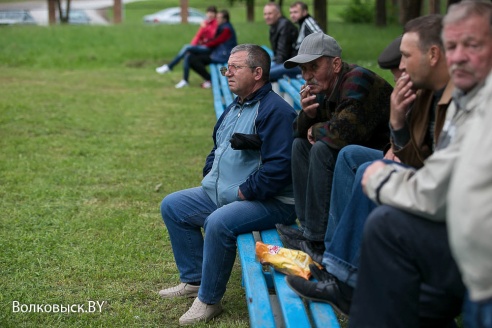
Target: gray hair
[(462, 10), (257, 57)]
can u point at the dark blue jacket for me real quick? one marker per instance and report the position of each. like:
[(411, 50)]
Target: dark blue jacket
[(260, 173), (222, 43)]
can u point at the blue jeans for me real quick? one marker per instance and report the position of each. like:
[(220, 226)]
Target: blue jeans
[(277, 71), (348, 213), (344, 182), (209, 258), (312, 175), (477, 314), (185, 49)]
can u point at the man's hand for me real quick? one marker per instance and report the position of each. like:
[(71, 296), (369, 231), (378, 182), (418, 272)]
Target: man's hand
[(308, 102), (310, 136), (401, 98), (240, 195), (370, 170), (391, 156)]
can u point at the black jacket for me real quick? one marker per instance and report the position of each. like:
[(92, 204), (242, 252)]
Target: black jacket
[(283, 36)]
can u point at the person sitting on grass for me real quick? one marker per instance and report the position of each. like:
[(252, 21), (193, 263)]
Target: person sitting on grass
[(204, 34), (221, 45), (245, 187)]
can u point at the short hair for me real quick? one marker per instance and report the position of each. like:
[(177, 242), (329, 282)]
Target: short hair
[(428, 29), (462, 10), (303, 5), (212, 9), (275, 5), (257, 57), (225, 14)]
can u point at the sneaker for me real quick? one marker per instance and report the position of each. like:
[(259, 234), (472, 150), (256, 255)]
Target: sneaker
[(181, 84), (206, 85), (162, 69), (289, 231), (181, 290), (320, 274), (200, 311), (326, 291)]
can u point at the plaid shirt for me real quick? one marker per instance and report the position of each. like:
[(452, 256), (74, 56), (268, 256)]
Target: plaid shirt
[(356, 113)]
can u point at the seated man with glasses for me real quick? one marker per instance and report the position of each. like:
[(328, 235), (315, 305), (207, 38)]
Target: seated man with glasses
[(247, 186)]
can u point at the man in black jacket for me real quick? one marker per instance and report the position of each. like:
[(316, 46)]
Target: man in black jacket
[(283, 36), (298, 12)]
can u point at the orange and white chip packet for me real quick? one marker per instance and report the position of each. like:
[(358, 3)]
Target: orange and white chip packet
[(285, 260)]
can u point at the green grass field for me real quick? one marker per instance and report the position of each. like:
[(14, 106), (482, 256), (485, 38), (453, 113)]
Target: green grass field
[(91, 140)]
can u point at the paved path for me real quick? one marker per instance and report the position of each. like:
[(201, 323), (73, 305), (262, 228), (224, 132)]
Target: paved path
[(95, 9)]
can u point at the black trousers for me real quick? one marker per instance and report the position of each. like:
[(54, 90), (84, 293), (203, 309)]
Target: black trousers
[(198, 63), (407, 276)]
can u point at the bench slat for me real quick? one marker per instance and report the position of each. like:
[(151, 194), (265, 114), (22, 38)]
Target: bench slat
[(292, 306), (323, 315), (218, 103), (259, 307), (291, 91)]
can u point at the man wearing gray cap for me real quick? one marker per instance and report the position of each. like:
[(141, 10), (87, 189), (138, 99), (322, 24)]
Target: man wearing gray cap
[(419, 118), (342, 104)]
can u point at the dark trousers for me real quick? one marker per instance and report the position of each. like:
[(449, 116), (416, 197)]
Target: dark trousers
[(407, 276), (198, 63)]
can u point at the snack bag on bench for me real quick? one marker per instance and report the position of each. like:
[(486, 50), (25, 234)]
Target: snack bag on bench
[(288, 261)]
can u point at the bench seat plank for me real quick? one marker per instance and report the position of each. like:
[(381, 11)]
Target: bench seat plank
[(292, 306), (291, 91), (323, 315), (257, 295)]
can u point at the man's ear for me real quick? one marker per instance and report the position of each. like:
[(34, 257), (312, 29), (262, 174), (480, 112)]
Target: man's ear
[(337, 64), (434, 54), (258, 73)]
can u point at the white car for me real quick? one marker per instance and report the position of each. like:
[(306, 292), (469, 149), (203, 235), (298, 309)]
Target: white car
[(12, 17), (173, 16)]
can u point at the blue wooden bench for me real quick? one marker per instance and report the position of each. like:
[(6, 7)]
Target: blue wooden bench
[(289, 89), (223, 96), (271, 302)]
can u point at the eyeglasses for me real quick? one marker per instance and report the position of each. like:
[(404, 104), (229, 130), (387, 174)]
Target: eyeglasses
[(232, 69)]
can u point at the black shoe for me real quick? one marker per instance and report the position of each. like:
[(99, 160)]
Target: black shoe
[(290, 232), (290, 243), (326, 291), (315, 249), (320, 274)]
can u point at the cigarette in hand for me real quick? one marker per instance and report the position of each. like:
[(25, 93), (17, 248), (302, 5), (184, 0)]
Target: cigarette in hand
[(304, 87)]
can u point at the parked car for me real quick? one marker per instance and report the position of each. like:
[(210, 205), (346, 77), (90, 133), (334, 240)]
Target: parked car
[(11, 17), (77, 17), (173, 16)]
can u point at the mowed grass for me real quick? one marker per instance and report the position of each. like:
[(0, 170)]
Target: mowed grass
[(91, 140)]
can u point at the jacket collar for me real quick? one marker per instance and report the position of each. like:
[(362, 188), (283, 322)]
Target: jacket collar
[(257, 95)]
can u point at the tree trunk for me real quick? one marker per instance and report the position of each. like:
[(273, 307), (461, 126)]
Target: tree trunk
[(250, 10), (409, 9), (117, 12), (321, 14), (380, 12), (184, 11), (52, 12), (434, 6)]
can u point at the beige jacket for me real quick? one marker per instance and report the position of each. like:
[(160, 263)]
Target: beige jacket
[(424, 192), (470, 202)]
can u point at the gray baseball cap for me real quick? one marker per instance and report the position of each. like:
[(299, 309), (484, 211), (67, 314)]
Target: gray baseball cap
[(313, 46)]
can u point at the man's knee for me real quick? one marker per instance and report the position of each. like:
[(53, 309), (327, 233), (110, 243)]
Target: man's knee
[(323, 153), (300, 145), (382, 222)]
